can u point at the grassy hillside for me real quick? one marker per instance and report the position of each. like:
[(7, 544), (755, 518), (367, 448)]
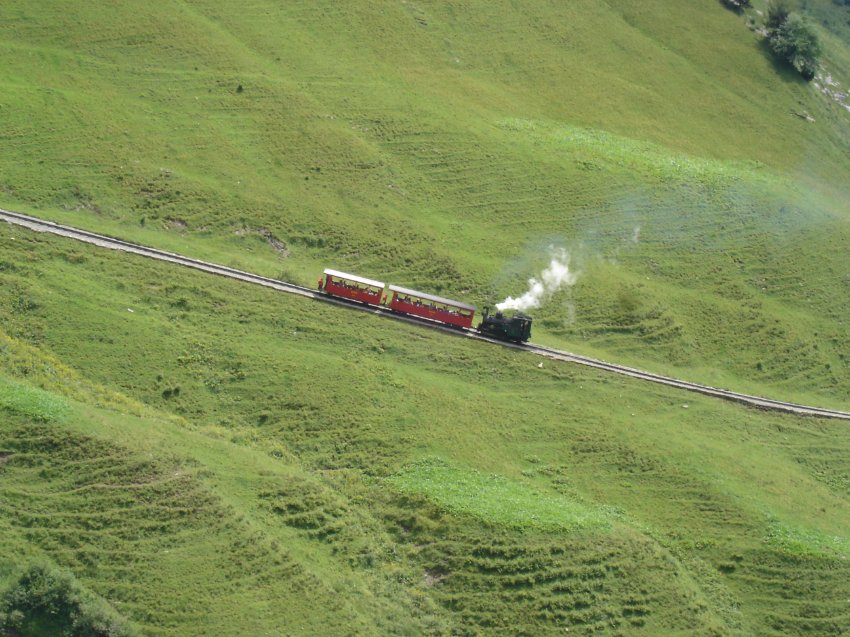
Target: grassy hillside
[(222, 457), (446, 147), (206, 458)]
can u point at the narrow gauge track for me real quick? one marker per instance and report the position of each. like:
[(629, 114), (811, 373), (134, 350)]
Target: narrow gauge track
[(103, 241)]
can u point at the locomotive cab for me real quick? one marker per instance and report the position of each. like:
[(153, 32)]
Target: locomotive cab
[(516, 328)]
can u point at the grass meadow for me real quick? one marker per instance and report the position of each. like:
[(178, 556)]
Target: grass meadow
[(664, 153), (205, 458), (224, 457)]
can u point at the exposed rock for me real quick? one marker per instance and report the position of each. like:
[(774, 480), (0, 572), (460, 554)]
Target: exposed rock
[(276, 244)]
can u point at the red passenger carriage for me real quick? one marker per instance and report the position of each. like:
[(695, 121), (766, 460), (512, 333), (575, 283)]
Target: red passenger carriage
[(351, 286), (431, 307)]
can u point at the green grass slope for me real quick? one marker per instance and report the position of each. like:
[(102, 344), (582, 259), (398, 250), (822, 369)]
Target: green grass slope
[(446, 147), (211, 458)]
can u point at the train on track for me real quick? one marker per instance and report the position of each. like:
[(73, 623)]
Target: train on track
[(514, 328), (409, 302)]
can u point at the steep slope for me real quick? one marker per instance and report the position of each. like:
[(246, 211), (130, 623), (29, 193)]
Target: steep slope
[(214, 459), (447, 146), (224, 457)]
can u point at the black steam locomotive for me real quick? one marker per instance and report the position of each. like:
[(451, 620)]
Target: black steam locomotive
[(514, 328)]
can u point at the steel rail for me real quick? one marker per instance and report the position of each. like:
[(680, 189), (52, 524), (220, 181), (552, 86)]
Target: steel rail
[(113, 243), (747, 399)]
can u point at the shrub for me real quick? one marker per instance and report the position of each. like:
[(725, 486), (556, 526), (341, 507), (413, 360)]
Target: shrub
[(737, 5), (48, 600), (777, 12), (797, 42)]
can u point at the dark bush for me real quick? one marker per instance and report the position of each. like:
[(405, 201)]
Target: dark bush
[(797, 42), (47, 600), (777, 12)]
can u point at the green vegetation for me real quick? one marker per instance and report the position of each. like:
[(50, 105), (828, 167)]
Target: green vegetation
[(29, 401), (793, 39), (47, 601), (186, 455), (414, 171), (296, 469), (494, 499), (834, 15), (778, 12)]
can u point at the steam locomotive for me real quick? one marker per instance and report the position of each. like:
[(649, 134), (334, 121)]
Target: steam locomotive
[(514, 328), (401, 300)]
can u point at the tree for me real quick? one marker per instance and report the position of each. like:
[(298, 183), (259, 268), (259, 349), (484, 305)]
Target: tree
[(797, 42), (777, 13)]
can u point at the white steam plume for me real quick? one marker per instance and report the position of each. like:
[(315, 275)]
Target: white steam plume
[(551, 280)]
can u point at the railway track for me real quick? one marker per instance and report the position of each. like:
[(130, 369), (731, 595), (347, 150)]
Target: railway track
[(104, 241)]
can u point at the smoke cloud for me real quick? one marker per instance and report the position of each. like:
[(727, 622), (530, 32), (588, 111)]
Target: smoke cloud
[(551, 280)]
